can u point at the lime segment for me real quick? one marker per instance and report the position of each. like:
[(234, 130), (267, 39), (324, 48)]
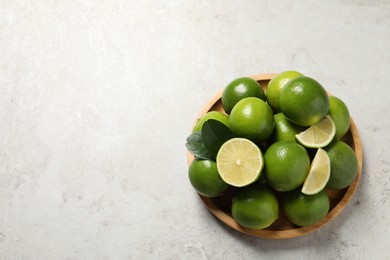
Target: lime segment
[(318, 135), (319, 173)]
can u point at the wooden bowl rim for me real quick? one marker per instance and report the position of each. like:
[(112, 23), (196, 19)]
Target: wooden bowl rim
[(289, 233)]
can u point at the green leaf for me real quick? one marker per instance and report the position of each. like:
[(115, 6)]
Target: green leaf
[(215, 134), (196, 146)]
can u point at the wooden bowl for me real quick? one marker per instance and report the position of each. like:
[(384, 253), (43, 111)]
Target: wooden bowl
[(282, 228)]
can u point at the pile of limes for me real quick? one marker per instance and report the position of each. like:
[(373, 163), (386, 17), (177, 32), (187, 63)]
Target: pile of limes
[(285, 141)]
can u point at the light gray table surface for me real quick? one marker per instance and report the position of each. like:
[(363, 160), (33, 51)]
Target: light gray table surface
[(98, 97)]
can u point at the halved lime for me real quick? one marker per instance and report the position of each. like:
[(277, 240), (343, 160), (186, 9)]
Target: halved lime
[(239, 162), (318, 135), (319, 173)]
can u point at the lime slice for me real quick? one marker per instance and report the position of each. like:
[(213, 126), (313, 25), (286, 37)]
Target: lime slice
[(318, 135), (239, 162), (319, 173)]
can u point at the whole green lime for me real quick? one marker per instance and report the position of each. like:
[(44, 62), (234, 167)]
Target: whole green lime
[(239, 89), (305, 210), (284, 129), (204, 177), (343, 165), (338, 111), (304, 101), (255, 206), (253, 119), (216, 115), (276, 84), (286, 165)]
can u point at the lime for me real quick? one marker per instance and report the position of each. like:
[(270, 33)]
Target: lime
[(221, 117), (238, 89), (304, 101), (255, 207), (343, 163), (318, 135), (340, 115), (252, 118), (305, 210), (319, 173), (204, 177), (286, 165), (284, 129), (239, 162), (275, 86)]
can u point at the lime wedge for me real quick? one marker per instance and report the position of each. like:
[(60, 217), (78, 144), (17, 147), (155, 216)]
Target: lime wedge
[(239, 162), (318, 135), (319, 173)]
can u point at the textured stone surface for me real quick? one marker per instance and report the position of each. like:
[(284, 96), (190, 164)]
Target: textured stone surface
[(97, 98)]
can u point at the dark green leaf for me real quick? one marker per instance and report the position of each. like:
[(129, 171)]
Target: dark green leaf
[(215, 134), (196, 146)]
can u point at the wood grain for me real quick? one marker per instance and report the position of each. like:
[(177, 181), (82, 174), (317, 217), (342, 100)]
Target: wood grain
[(282, 228)]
